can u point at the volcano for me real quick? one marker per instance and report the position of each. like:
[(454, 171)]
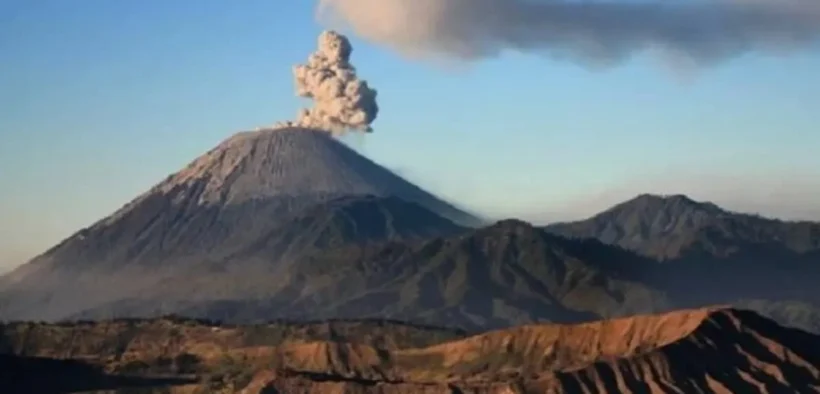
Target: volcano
[(220, 210), (304, 164)]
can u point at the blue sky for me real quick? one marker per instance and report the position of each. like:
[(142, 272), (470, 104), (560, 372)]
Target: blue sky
[(101, 99)]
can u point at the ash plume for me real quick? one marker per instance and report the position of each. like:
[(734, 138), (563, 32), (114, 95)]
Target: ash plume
[(342, 101), (596, 32)]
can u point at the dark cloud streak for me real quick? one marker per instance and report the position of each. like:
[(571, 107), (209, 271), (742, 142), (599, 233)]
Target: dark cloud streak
[(595, 32)]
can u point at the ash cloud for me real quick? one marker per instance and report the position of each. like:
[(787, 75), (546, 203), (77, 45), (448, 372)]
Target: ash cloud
[(593, 32), (341, 101)]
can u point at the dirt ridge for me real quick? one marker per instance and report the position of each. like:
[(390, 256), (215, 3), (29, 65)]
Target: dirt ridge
[(710, 350), (718, 350)]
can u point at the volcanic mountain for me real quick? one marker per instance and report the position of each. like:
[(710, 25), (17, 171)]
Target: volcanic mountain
[(254, 193)]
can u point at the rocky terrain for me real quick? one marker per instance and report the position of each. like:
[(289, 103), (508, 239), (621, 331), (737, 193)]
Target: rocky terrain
[(720, 350), (191, 356), (706, 350)]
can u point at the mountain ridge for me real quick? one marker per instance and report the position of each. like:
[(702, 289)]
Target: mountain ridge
[(669, 227), (491, 277), (733, 351), (426, 273), (739, 352)]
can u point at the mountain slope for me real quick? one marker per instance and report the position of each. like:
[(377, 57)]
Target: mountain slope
[(258, 195), (508, 273), (226, 196), (243, 271), (711, 351), (677, 227), (115, 355), (769, 265), (169, 336), (349, 220)]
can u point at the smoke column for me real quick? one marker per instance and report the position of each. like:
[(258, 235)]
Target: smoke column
[(597, 32), (342, 101)]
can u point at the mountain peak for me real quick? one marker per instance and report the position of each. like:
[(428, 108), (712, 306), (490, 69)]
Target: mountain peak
[(276, 162), (681, 198), (306, 164), (228, 200), (646, 219), (512, 224), (649, 214), (675, 226), (652, 203)]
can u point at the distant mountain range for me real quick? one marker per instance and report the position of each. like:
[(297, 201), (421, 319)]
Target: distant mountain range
[(293, 224), (676, 227), (709, 255), (508, 273)]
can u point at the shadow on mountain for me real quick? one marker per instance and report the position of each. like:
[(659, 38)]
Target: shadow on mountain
[(737, 352), (754, 272), (20, 374), (506, 274), (349, 220), (670, 228), (744, 341), (706, 351), (706, 255)]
